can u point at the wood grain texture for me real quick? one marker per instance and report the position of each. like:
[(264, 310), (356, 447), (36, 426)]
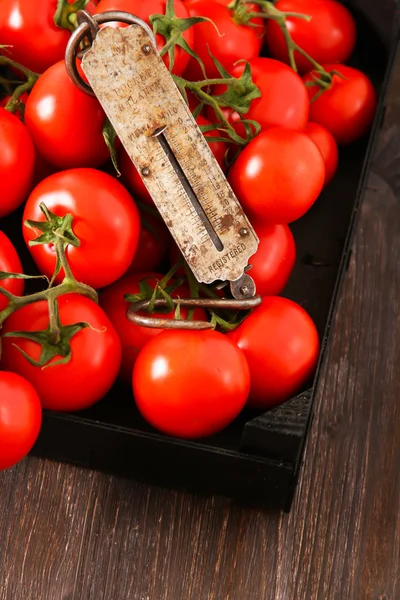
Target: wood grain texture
[(71, 534)]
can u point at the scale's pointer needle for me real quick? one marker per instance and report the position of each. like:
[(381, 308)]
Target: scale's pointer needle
[(159, 134)]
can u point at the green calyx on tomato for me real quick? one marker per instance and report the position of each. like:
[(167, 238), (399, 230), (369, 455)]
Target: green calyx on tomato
[(65, 15), (171, 28), (55, 339), (55, 230), (322, 80), (161, 290), (243, 13), (239, 94)]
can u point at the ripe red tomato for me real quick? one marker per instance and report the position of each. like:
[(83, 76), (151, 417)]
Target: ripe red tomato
[(154, 7), (37, 43), (278, 176), (347, 107), (327, 146), (232, 43), (190, 384), (274, 260), (65, 123), (17, 158), (20, 418), (133, 337), (106, 221), (9, 263), (329, 36), (95, 361), (283, 102), (153, 246), (281, 345)]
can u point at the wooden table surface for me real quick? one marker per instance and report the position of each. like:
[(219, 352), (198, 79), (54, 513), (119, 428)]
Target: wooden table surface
[(70, 534)]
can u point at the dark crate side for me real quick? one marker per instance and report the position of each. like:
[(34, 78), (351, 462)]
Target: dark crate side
[(257, 458)]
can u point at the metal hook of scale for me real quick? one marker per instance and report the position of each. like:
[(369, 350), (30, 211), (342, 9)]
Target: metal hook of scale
[(242, 288), (88, 26), (160, 323)]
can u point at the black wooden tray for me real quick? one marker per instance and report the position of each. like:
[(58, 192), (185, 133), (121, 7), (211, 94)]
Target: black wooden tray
[(256, 460)]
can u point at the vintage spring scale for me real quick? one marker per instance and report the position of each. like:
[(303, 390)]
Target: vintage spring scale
[(161, 137)]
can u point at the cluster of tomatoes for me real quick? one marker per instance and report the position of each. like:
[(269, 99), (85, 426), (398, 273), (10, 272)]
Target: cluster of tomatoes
[(274, 125)]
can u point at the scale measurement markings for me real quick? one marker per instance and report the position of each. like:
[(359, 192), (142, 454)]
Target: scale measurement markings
[(188, 187)]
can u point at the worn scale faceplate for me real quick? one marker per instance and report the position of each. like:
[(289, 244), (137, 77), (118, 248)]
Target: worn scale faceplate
[(171, 154)]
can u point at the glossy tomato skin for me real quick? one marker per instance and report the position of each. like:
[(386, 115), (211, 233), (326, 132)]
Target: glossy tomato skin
[(272, 264), (239, 41), (329, 36), (284, 101), (133, 337), (347, 108), (20, 418), (143, 9), (106, 221), (278, 176), (17, 161), (95, 361), (327, 146), (153, 246), (281, 345), (65, 123), (9, 263), (37, 43), (190, 384)]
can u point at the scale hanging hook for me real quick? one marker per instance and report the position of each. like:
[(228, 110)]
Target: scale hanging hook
[(89, 27), (160, 323)]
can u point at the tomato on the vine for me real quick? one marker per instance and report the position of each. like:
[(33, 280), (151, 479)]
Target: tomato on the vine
[(327, 146), (28, 27), (272, 264), (347, 107), (106, 222), (95, 353), (143, 10), (329, 36), (133, 337), (9, 263), (17, 159), (190, 384), (281, 345), (283, 102), (65, 124), (20, 418), (229, 44), (278, 176)]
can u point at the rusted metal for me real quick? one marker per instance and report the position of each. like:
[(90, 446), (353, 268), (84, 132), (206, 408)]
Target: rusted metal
[(86, 23), (127, 75), (167, 147), (160, 323)]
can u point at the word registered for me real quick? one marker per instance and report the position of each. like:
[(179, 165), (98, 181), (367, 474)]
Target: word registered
[(232, 254)]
